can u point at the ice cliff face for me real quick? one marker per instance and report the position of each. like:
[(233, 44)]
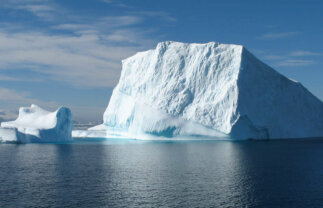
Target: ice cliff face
[(214, 90), (35, 124)]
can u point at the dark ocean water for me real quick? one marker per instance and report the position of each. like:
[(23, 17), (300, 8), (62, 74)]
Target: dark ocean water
[(155, 174)]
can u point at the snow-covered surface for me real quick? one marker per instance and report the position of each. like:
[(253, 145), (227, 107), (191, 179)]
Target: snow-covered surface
[(35, 124), (209, 90), (99, 131), (98, 127), (8, 134)]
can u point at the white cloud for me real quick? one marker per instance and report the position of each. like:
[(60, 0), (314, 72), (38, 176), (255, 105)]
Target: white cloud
[(102, 24), (81, 60), (6, 115), (13, 97), (160, 14), (45, 9), (293, 58), (11, 100), (295, 62), (116, 3), (273, 36), (7, 78), (80, 51), (305, 53), (89, 53), (89, 57), (119, 21), (274, 57)]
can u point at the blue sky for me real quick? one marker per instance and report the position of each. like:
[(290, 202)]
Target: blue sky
[(68, 52)]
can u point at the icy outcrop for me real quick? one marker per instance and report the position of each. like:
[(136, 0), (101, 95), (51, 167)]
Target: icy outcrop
[(35, 124), (211, 90), (99, 131)]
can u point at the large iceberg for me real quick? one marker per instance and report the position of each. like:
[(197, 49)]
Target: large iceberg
[(209, 90), (35, 124)]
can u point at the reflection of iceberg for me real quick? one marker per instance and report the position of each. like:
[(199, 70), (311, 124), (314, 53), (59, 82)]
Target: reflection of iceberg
[(35, 124), (210, 90)]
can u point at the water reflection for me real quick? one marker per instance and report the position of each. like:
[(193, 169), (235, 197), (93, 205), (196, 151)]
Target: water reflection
[(82, 174), (148, 174)]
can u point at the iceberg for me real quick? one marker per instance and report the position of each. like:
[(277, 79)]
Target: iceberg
[(212, 90), (99, 131), (35, 124)]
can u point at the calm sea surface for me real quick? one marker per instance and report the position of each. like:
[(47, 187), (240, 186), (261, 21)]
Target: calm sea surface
[(118, 173)]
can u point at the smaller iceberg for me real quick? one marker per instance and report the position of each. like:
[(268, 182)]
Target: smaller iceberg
[(36, 125)]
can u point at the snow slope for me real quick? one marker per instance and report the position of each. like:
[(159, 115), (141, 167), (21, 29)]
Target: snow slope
[(99, 131), (35, 124), (210, 90)]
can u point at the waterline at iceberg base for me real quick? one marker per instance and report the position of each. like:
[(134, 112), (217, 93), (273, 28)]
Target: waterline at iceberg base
[(212, 90)]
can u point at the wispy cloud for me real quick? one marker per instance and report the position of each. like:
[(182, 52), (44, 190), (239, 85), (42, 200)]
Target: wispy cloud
[(160, 14), (11, 100), (79, 60), (281, 35), (117, 3), (13, 97), (296, 58), (6, 115), (63, 46), (82, 53), (295, 62), (120, 21), (305, 53), (103, 25), (7, 78), (44, 9), (9, 95), (274, 57)]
